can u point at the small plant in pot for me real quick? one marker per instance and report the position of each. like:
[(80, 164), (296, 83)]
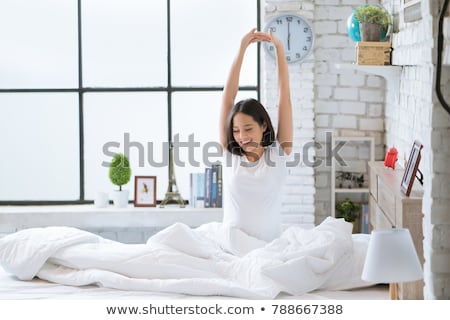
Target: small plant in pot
[(119, 175), (373, 21), (348, 210)]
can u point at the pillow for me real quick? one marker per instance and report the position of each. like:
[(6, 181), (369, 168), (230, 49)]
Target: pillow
[(349, 275), (304, 274)]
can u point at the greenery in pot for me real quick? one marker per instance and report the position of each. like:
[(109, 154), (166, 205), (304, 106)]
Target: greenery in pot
[(119, 170), (348, 210), (373, 14)]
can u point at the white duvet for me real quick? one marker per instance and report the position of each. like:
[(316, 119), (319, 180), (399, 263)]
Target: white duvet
[(209, 260)]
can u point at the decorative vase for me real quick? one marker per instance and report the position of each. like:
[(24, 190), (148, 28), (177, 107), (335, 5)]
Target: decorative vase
[(120, 198), (101, 200), (370, 31)]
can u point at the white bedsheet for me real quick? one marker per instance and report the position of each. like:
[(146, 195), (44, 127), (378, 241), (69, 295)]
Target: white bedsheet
[(211, 260)]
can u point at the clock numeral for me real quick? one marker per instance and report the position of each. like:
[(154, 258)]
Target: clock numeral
[(299, 21), (306, 29), (274, 29), (298, 55), (305, 48), (279, 21), (289, 19), (308, 39), (271, 48), (288, 58)]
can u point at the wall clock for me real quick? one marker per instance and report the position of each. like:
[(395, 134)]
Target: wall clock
[(296, 34)]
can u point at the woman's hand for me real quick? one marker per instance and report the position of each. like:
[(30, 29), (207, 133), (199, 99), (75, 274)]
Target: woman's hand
[(254, 36), (275, 40)]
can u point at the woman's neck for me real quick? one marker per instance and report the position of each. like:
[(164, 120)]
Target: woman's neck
[(255, 155)]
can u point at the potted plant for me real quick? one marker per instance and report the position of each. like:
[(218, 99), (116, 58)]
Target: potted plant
[(119, 175), (348, 210), (373, 21)]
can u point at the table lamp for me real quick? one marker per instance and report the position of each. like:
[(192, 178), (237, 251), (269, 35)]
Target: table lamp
[(391, 258)]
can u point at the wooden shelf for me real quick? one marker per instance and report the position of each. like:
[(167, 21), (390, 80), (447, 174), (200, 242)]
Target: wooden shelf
[(353, 190)]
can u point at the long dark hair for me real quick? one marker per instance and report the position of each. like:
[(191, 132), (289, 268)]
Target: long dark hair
[(256, 110)]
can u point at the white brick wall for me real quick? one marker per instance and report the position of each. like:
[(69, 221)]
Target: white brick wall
[(298, 200), (418, 115), (348, 102)]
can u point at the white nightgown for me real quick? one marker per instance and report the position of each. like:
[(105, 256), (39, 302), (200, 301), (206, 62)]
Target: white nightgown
[(252, 192)]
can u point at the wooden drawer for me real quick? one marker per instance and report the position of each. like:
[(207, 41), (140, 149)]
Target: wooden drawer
[(389, 207), (378, 219), (386, 201), (373, 184)]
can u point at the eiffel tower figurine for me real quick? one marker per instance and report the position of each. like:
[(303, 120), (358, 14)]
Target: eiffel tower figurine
[(172, 193)]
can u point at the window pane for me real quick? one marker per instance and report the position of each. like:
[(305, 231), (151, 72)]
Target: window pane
[(39, 44), (133, 123), (39, 134), (205, 41), (124, 43), (195, 120)]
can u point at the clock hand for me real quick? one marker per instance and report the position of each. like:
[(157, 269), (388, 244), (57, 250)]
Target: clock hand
[(289, 37)]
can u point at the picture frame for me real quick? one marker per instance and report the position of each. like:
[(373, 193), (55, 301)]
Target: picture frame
[(411, 168), (145, 191), (412, 10)]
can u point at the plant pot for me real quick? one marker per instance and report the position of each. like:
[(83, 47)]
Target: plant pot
[(370, 31), (120, 198)]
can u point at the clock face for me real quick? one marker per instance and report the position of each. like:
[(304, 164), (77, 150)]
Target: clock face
[(296, 34)]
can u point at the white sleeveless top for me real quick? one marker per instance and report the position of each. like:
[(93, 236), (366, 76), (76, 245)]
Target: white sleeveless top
[(252, 192)]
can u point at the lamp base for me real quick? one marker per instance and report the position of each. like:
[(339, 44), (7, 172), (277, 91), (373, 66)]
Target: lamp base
[(393, 291)]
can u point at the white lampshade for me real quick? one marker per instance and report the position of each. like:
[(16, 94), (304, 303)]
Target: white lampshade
[(391, 257)]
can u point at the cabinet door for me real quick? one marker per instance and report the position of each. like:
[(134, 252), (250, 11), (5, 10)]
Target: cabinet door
[(373, 183), (386, 201), (378, 219)]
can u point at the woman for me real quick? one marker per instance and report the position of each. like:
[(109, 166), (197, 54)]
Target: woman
[(254, 178)]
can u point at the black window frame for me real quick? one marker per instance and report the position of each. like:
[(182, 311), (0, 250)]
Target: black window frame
[(81, 90)]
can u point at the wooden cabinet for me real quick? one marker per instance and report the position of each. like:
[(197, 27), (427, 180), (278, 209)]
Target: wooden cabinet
[(389, 207)]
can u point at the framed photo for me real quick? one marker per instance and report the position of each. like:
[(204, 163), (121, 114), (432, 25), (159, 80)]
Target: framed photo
[(411, 168), (145, 191), (412, 10)]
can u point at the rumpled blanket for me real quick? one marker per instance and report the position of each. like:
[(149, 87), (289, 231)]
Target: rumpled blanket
[(212, 259)]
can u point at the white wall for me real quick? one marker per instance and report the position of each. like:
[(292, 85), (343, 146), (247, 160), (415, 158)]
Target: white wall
[(419, 115), (395, 114), (298, 201)]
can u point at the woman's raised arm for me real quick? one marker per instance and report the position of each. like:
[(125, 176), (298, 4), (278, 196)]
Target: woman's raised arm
[(232, 85), (285, 132)]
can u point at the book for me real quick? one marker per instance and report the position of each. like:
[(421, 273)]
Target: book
[(208, 189), (365, 218), (216, 185), (197, 189)]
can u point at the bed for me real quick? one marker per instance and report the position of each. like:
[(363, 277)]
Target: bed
[(184, 263), (37, 289)]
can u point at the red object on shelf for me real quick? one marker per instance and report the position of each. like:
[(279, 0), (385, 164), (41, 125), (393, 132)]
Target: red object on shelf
[(391, 158)]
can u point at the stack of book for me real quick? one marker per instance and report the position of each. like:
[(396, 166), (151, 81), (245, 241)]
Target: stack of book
[(206, 187), (365, 218)]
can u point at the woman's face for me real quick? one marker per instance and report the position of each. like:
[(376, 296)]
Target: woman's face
[(248, 133)]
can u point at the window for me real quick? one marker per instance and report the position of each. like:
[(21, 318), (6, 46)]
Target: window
[(81, 80)]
